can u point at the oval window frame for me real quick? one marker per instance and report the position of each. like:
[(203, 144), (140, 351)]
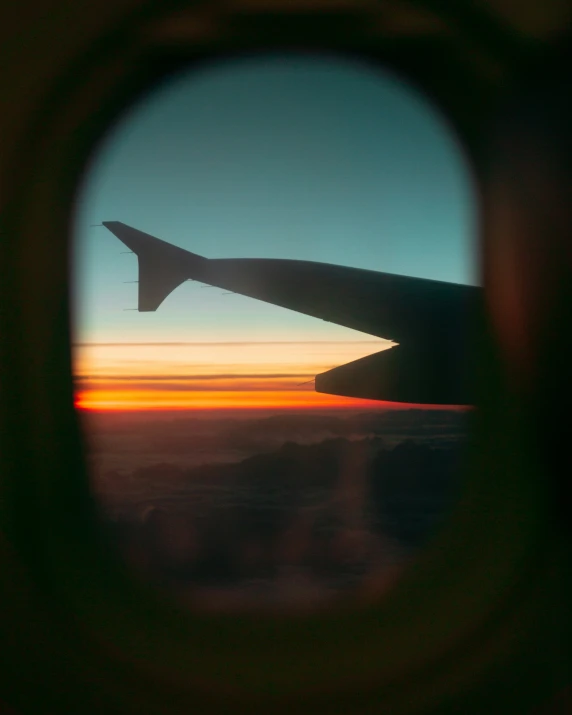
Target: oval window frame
[(81, 586)]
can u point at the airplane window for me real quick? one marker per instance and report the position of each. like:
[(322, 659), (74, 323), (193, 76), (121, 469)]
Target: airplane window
[(273, 278)]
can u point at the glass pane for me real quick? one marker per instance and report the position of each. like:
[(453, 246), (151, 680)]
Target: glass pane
[(227, 473)]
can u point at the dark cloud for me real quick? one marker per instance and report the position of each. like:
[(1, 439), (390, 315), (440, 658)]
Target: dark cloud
[(200, 383)]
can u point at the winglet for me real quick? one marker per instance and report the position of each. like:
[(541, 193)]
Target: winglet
[(162, 266)]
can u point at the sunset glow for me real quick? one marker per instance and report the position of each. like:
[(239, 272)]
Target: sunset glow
[(151, 376), (165, 400)]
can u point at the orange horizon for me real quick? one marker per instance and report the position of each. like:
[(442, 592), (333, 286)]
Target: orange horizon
[(114, 378), (324, 402), (142, 400)]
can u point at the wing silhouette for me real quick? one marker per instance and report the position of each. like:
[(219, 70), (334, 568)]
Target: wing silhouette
[(429, 319)]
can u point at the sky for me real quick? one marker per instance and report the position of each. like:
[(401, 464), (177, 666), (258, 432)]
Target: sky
[(308, 157)]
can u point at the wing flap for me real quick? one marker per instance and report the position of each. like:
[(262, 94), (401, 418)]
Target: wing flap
[(432, 373)]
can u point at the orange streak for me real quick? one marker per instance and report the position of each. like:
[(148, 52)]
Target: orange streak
[(167, 400), (134, 401)]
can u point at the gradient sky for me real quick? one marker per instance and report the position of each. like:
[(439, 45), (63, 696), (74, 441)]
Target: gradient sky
[(308, 157)]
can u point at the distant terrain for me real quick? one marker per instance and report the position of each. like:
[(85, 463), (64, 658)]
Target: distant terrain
[(272, 508), (126, 440)]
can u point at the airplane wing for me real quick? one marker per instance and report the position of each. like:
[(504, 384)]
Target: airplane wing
[(427, 318)]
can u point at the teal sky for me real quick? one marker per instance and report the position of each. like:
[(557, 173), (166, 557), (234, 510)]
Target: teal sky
[(316, 158)]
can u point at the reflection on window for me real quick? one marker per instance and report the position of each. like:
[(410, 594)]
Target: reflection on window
[(224, 471)]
